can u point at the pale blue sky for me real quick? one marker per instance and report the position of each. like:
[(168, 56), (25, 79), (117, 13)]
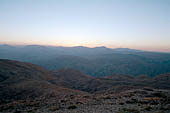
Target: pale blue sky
[(140, 24)]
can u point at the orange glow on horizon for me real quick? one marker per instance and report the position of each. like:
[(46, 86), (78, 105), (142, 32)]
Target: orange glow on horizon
[(90, 45)]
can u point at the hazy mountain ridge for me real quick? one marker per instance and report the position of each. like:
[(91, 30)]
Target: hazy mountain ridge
[(98, 61)]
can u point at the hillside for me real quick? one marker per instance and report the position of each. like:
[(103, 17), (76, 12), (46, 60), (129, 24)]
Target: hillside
[(28, 83), (25, 87)]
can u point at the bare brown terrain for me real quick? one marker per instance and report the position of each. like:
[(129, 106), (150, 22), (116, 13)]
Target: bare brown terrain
[(28, 88)]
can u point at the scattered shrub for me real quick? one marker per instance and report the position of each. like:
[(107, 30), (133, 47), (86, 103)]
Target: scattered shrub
[(72, 107), (127, 110), (149, 108), (54, 108)]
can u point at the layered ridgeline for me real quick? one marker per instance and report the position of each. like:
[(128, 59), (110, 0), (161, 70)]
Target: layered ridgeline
[(25, 87), (99, 61)]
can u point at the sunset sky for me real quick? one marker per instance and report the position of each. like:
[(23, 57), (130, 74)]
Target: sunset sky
[(138, 24)]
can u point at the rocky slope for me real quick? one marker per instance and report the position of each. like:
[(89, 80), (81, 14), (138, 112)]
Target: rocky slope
[(26, 87)]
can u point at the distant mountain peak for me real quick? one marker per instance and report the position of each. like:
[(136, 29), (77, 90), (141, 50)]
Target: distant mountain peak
[(101, 47), (79, 47), (35, 46)]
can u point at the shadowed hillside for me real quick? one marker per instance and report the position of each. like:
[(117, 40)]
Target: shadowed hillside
[(20, 81)]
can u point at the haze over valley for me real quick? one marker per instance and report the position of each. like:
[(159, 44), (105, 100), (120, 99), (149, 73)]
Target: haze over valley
[(98, 61)]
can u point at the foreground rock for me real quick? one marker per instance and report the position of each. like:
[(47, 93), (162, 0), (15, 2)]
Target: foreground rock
[(146, 100)]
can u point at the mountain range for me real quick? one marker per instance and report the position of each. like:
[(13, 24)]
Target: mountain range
[(97, 62)]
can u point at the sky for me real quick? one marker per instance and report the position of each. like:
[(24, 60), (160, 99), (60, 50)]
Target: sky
[(138, 24)]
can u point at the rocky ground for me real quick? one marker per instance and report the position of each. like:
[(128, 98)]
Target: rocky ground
[(145, 100), (28, 88)]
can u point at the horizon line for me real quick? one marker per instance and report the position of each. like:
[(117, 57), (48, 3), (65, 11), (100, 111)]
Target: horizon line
[(103, 46)]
